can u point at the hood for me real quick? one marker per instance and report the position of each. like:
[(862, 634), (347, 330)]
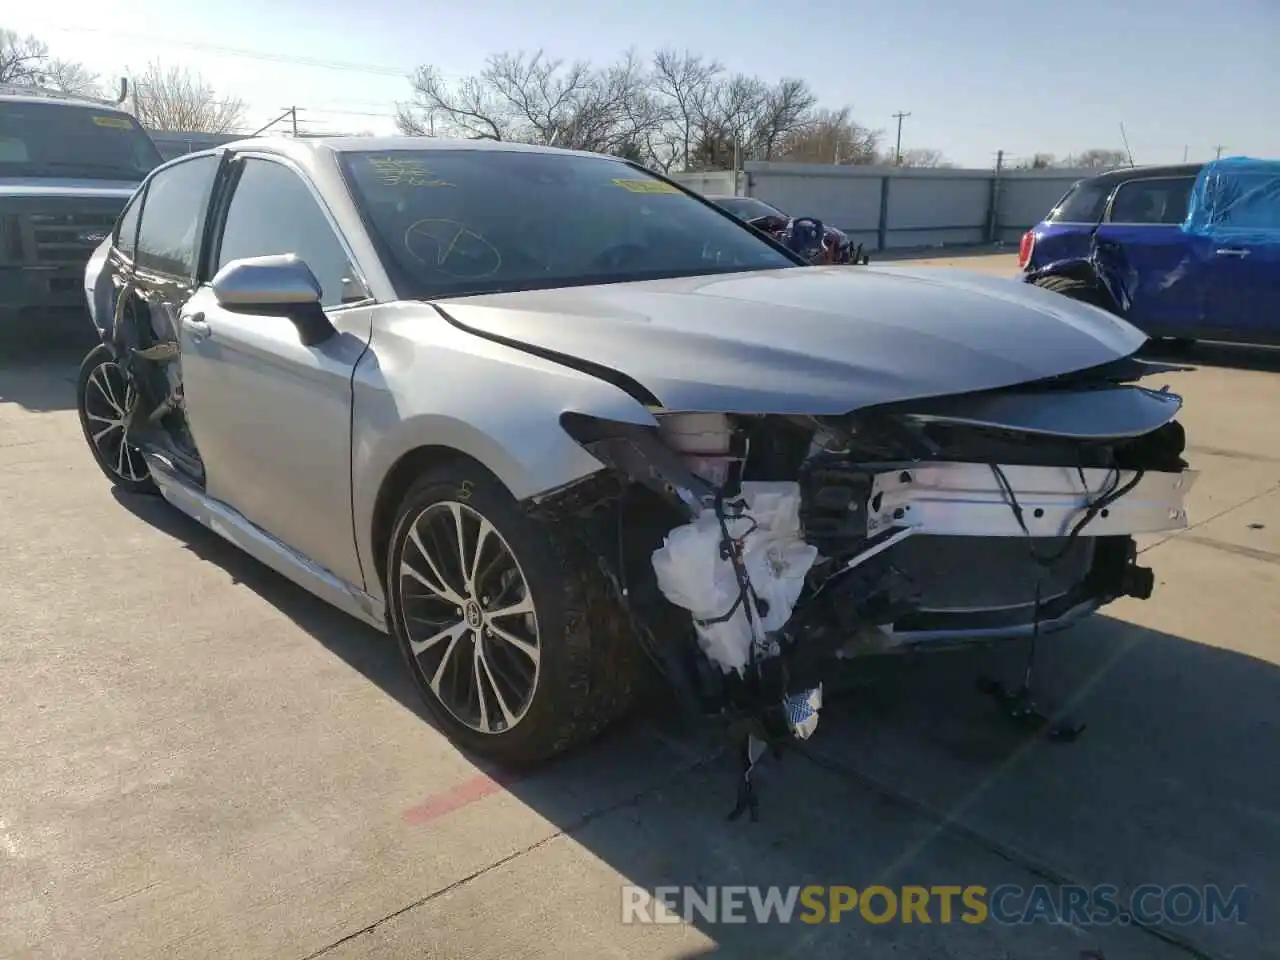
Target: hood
[(65, 187), (818, 340)]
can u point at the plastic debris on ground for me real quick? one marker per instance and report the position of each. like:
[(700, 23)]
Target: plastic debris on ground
[(802, 712)]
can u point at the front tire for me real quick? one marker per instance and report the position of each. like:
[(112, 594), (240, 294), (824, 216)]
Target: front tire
[(506, 624), (103, 395)]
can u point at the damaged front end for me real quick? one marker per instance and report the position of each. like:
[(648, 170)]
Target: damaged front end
[(754, 551)]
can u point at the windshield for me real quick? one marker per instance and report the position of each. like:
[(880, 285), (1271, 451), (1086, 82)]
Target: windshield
[(60, 140), (453, 222), (748, 208)]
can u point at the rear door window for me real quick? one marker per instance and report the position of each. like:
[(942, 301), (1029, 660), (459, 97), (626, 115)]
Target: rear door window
[(168, 239), (1084, 203), (1160, 200)]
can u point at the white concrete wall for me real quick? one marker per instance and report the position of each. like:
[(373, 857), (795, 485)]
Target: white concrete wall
[(713, 183), (902, 207)]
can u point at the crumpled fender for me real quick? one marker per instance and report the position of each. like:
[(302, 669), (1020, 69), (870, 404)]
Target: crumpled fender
[(1105, 265)]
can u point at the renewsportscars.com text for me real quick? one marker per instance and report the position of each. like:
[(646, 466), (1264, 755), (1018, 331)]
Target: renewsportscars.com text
[(1009, 904)]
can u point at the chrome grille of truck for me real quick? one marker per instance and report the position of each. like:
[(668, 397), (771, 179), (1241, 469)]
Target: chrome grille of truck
[(67, 238)]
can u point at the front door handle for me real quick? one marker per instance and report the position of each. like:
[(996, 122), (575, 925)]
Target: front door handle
[(1232, 252), (198, 326)]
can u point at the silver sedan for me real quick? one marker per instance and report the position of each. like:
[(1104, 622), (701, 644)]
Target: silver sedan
[(561, 426)]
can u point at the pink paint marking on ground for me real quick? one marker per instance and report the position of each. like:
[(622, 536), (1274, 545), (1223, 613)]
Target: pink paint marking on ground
[(455, 798)]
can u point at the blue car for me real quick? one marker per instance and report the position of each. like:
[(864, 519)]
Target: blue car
[(1184, 252)]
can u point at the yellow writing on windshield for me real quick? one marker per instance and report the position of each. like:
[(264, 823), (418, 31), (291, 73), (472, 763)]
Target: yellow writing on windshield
[(116, 123), (645, 186), (401, 172)]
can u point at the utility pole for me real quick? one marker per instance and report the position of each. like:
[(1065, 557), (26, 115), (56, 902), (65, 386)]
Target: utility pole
[(993, 201), (292, 113), (1218, 152), (897, 150), (1184, 153)]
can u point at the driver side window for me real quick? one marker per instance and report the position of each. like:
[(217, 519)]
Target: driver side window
[(272, 211)]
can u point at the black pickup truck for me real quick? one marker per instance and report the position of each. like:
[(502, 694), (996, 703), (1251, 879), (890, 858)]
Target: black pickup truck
[(67, 167)]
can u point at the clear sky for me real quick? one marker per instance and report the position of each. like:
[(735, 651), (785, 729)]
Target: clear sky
[(976, 76)]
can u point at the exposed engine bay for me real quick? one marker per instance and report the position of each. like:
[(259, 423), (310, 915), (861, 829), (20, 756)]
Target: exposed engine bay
[(752, 551)]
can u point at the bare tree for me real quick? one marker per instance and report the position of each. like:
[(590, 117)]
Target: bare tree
[(1097, 159), (678, 112), (67, 76), (534, 99), (684, 84), (467, 109), (726, 120), (923, 157), (23, 60), (174, 98), (787, 109), (831, 136), (26, 62)]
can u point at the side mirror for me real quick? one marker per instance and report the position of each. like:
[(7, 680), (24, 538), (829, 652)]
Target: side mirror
[(277, 285)]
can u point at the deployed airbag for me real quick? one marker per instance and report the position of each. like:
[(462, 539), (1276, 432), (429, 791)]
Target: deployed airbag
[(693, 571)]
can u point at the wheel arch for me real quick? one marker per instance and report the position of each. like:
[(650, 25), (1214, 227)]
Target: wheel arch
[(431, 441), (1077, 268), (391, 492), (1097, 270)]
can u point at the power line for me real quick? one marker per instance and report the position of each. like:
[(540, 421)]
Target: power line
[(354, 113), (317, 62)]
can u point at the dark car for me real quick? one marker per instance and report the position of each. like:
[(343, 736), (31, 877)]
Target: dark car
[(1182, 252), (67, 167), (833, 247)]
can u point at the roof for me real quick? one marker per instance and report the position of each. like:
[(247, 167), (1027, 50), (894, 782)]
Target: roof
[(1112, 177), (380, 144), (62, 101)]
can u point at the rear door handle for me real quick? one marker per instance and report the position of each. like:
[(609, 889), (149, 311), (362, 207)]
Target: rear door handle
[(1232, 252), (198, 326)]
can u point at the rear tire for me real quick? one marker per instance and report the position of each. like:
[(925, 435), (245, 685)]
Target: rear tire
[(520, 653), (102, 397), (1086, 291)]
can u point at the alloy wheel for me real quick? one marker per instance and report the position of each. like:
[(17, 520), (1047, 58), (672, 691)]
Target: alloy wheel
[(469, 617), (108, 396)]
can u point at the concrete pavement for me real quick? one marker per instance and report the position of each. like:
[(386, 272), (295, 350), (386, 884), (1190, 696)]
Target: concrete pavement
[(199, 760)]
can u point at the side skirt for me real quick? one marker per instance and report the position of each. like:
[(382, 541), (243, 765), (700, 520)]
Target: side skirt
[(253, 540)]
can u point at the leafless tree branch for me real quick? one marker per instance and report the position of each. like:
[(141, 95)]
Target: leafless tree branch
[(923, 157), (174, 98), (26, 62), (679, 111)]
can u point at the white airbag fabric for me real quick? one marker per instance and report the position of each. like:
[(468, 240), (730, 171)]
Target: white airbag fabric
[(692, 574)]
